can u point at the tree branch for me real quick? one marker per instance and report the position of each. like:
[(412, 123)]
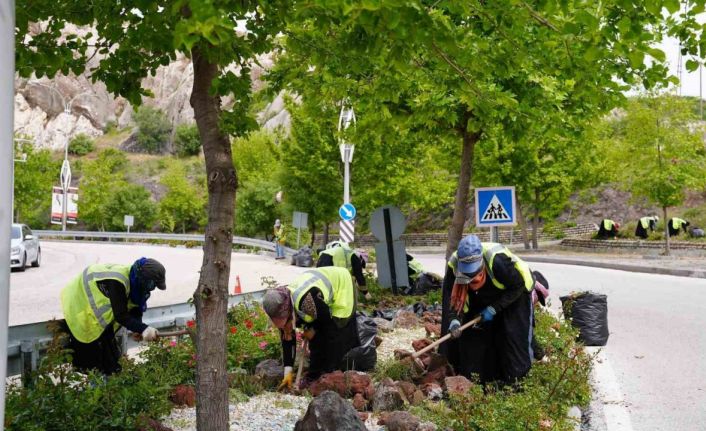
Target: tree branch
[(539, 18)]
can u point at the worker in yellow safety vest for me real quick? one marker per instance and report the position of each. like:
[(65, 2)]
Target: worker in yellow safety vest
[(340, 254), (102, 298), (676, 224), (322, 301), (646, 225), (487, 279), (607, 229)]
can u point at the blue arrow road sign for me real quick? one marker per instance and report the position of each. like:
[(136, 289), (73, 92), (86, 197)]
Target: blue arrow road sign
[(347, 212), (495, 206)]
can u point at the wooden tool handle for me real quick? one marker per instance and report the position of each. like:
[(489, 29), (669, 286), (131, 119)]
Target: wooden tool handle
[(301, 365), (463, 327), (173, 333)]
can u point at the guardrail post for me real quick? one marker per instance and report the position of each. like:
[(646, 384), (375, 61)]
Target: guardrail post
[(29, 354)]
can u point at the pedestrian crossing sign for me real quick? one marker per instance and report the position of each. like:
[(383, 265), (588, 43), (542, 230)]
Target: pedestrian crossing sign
[(495, 206)]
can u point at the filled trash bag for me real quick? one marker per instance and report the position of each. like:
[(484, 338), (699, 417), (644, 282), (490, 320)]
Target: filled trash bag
[(364, 357), (697, 233), (589, 313), (426, 282), (304, 257)]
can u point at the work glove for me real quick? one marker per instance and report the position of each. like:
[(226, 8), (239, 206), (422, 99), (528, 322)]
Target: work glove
[(288, 379), (150, 334), (454, 328), (488, 313), (309, 333)]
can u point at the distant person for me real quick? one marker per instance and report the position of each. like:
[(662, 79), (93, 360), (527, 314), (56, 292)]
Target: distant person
[(279, 239), (607, 229), (646, 225), (102, 296), (415, 269), (676, 224), (340, 254)]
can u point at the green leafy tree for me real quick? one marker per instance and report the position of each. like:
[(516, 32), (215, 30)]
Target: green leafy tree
[(187, 141), (183, 204), (135, 200), (660, 145), (153, 129), (81, 144), (34, 179), (100, 180)]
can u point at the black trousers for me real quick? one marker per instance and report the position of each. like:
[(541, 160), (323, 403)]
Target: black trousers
[(330, 343), (641, 231), (102, 354)]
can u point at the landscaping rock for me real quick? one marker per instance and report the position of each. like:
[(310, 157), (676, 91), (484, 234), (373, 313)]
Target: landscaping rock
[(458, 385), (427, 426), (330, 412), (418, 397), (384, 325), (431, 317), (149, 424), (359, 383), (418, 345), (359, 402), (405, 319), (183, 395), (401, 354), (433, 391), (363, 416), (436, 376), (387, 398), (399, 421), (433, 329), (407, 390), (335, 381), (270, 372)]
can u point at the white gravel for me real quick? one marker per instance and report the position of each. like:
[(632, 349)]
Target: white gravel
[(399, 338)]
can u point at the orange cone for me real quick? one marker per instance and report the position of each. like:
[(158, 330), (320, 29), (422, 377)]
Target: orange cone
[(238, 289)]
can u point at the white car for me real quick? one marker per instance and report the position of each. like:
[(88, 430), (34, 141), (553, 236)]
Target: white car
[(24, 248)]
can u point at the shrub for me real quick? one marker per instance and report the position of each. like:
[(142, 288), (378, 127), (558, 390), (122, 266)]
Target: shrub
[(153, 129), (250, 337), (187, 141), (81, 144)]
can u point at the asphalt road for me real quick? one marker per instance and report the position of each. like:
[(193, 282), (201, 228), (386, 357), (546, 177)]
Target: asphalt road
[(656, 351), (650, 376), (35, 293)]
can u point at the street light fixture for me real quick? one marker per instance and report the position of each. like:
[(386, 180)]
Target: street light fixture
[(345, 120)]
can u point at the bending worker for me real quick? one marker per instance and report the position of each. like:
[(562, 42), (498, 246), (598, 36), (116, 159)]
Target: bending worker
[(608, 229), (676, 224), (100, 300), (486, 279), (322, 302), (646, 225), (339, 254)]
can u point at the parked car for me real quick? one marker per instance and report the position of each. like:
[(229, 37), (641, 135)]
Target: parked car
[(24, 248)]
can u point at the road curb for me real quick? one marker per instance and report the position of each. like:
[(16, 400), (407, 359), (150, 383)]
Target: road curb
[(618, 266)]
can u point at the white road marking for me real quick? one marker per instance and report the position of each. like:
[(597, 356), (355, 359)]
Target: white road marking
[(607, 389)]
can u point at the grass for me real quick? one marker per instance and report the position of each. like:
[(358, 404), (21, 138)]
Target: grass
[(393, 369)]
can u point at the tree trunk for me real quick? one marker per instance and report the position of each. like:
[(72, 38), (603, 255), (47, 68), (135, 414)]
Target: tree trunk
[(535, 221), (666, 231), (523, 226), (462, 203), (211, 295), (313, 234), (326, 233)]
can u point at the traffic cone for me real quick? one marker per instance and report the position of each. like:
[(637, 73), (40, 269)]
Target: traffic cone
[(238, 289)]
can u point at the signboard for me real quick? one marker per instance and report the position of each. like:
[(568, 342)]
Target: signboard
[(299, 220), (129, 220), (387, 224), (347, 212), (57, 202), (495, 206)]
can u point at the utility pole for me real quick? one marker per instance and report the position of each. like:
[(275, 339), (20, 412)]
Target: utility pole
[(7, 149)]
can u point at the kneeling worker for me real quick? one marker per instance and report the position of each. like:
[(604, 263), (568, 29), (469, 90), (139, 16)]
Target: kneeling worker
[(646, 225), (487, 279), (322, 302), (676, 224), (339, 253), (608, 229), (100, 300)]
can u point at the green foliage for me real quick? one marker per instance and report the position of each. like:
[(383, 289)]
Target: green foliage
[(153, 129), (393, 369), (81, 144), (99, 180), (183, 205), (251, 338), (131, 199), (34, 179), (187, 141)]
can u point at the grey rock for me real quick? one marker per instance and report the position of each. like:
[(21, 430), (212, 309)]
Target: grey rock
[(401, 421), (330, 412), (384, 325), (270, 372), (387, 398)]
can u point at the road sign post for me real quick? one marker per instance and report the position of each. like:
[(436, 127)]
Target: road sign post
[(65, 178), (495, 206), (345, 120), (128, 221), (346, 227), (299, 221)]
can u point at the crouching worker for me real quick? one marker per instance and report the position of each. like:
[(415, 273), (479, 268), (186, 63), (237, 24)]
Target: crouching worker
[(100, 300), (340, 254), (322, 303), (486, 279)]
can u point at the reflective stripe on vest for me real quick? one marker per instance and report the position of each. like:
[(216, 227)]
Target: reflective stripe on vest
[(490, 249), (338, 295)]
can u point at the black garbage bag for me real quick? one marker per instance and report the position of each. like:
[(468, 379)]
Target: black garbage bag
[(364, 357), (426, 282), (386, 314), (304, 257), (589, 313), (697, 233)]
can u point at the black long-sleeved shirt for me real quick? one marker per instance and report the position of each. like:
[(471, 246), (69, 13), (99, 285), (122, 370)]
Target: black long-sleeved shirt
[(323, 317), (115, 291), (505, 272), (356, 268)]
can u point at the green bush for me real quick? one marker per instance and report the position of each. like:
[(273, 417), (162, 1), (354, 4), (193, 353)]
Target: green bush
[(81, 144), (131, 199), (187, 141), (153, 129)]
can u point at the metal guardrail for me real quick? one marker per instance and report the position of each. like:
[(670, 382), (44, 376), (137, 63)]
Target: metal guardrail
[(108, 236), (27, 343)]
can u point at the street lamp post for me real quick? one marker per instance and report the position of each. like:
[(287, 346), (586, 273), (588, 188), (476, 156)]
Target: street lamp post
[(345, 120)]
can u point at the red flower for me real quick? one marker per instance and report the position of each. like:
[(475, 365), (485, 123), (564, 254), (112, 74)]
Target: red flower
[(262, 345), (248, 324), (190, 323), (233, 329)]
